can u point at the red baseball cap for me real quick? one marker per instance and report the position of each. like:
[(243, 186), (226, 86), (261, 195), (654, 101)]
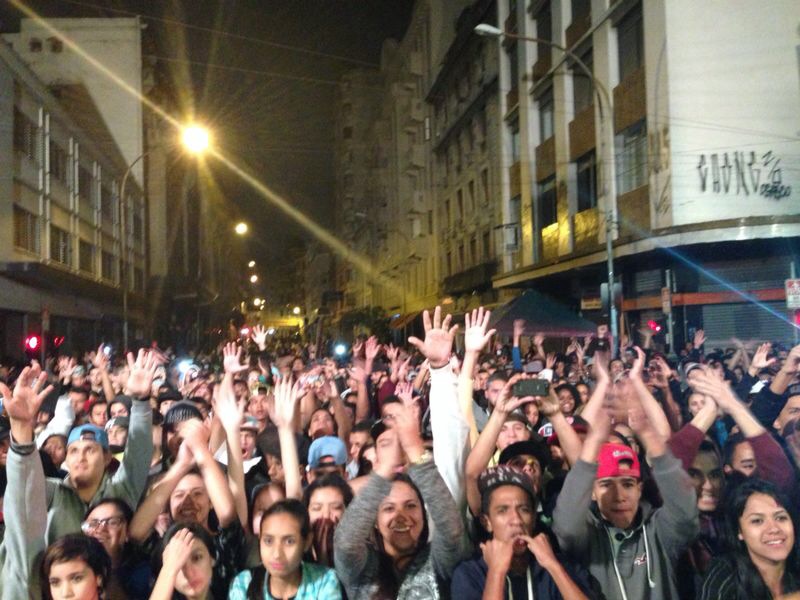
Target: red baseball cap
[(617, 460)]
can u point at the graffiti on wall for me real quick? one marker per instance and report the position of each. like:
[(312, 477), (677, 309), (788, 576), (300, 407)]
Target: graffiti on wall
[(743, 173)]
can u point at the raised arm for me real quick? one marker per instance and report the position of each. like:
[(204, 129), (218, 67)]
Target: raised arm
[(651, 407), (567, 437), (230, 413), (476, 337), (283, 415)]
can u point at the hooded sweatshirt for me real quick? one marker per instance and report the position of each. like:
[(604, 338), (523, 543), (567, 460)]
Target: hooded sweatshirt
[(636, 563)]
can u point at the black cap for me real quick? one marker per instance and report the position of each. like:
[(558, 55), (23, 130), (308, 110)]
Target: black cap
[(536, 447), (182, 411)]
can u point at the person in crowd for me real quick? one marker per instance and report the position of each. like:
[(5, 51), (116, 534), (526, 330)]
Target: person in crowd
[(382, 545), (326, 499), (75, 566), (284, 537), (185, 565), (518, 560), (601, 522), (762, 557)]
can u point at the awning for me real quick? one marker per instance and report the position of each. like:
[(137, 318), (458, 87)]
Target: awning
[(541, 314), (400, 321)]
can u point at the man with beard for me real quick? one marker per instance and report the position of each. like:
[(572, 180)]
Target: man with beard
[(518, 561)]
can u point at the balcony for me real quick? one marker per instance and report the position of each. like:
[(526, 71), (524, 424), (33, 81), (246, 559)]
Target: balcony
[(585, 227), (415, 157), (512, 98), (550, 243), (581, 133), (630, 100), (475, 278), (546, 158), (634, 213)]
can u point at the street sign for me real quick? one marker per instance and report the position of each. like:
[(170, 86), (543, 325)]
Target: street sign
[(792, 293), (666, 300)]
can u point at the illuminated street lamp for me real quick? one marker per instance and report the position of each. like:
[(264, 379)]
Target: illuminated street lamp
[(195, 139), (604, 109), (257, 301), (241, 228), (254, 278), (296, 310), (251, 264)]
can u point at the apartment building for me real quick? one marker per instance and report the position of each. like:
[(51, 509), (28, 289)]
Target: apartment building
[(61, 248), (682, 146)]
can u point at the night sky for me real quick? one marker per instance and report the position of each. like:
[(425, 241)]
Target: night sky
[(242, 63)]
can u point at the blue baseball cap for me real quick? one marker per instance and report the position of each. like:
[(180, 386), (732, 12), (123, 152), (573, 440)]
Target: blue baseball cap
[(90, 433), (327, 446)]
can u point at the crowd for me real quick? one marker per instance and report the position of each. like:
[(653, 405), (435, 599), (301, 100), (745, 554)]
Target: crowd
[(527, 469)]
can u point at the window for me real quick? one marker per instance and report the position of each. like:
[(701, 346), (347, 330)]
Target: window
[(35, 45), (471, 195), (60, 245), (106, 205), (514, 130), (630, 42), (487, 245), (26, 230), (631, 154), (430, 222), (582, 88), (56, 45), (461, 262), (58, 162), (85, 181), (86, 256), (473, 250), (580, 8), (546, 115), (587, 181), (108, 266), (26, 135), (485, 185), (138, 226), (544, 30), (513, 66), (547, 202), (447, 212), (460, 205)]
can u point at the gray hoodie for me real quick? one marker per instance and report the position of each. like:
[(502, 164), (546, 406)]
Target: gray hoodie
[(638, 563)]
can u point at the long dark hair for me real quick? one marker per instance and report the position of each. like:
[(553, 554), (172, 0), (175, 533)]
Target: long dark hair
[(293, 508), (75, 546), (330, 480), (388, 581), (749, 582)]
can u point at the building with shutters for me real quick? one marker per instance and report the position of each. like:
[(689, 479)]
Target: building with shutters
[(692, 165)]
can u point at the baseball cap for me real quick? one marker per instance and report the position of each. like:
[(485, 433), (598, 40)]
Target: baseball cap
[(118, 422), (535, 447), (250, 423), (579, 425), (611, 462), (327, 446), (91, 433), (494, 477), (182, 411)]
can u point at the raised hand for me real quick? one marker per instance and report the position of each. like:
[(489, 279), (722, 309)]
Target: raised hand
[(392, 352), (229, 410), (232, 359), (286, 395), (760, 360), (710, 384), (506, 402), (358, 346), (549, 405), (638, 364), (519, 327), (195, 436), (792, 362), (23, 404), (476, 335), (438, 338), (259, 336), (359, 374), (100, 359), (538, 340), (142, 372), (372, 348), (699, 338), (550, 360)]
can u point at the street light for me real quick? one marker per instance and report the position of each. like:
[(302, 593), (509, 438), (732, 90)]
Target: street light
[(195, 139), (254, 278), (241, 228), (296, 310), (600, 91), (251, 264)]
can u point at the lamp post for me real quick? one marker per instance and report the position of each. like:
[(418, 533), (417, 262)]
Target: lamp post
[(600, 91), (195, 139)]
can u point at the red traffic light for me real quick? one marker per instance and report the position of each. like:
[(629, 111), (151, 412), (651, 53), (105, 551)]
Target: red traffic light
[(32, 342), (654, 326)]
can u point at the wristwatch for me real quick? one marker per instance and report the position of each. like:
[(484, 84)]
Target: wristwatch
[(425, 457)]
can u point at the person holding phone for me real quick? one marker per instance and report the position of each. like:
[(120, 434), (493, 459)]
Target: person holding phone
[(518, 560)]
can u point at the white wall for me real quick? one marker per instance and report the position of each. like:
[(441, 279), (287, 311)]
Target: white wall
[(116, 43), (734, 95)]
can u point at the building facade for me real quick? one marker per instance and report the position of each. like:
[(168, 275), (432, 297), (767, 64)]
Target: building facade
[(692, 173)]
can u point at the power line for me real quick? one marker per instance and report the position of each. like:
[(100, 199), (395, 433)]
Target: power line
[(225, 33)]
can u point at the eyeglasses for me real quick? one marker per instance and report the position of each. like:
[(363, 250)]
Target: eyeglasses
[(95, 524)]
